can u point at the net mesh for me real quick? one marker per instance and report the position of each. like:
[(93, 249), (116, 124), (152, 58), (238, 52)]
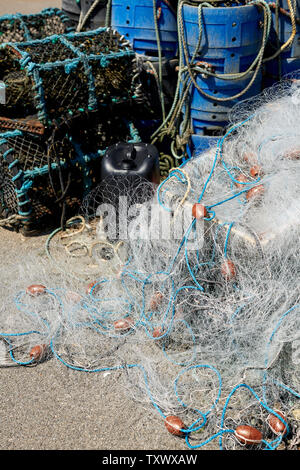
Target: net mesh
[(209, 330)]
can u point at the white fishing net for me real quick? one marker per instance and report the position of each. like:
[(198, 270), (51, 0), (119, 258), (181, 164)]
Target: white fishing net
[(199, 306)]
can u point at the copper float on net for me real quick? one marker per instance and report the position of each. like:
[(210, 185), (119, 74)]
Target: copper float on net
[(255, 192), (36, 289), (157, 332), (241, 178), (277, 425), (38, 352), (250, 157), (89, 287), (256, 171), (156, 300), (292, 154), (228, 270), (199, 211), (174, 425), (248, 434), (123, 324)]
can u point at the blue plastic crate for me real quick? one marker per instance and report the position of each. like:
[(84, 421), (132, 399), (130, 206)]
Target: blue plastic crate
[(135, 20)]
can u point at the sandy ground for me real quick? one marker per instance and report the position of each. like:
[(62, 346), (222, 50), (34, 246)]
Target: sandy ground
[(52, 407), (26, 6)]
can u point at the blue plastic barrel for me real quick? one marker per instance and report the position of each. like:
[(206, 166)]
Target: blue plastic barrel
[(231, 40), (135, 20), (289, 60), (231, 36), (209, 112)]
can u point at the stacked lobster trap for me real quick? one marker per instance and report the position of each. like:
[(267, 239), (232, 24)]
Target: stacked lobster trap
[(67, 98), (18, 27)]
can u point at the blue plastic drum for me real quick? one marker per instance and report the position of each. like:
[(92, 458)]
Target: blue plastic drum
[(231, 37), (206, 112), (231, 41)]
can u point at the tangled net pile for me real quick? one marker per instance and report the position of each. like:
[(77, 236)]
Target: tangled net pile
[(204, 325)]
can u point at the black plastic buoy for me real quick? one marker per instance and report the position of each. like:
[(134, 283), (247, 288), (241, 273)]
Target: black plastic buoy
[(131, 159)]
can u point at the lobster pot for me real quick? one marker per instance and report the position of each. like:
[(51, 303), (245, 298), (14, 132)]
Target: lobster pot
[(44, 177), (231, 40), (64, 74), (141, 24), (19, 28), (27, 195), (95, 17), (288, 61)]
